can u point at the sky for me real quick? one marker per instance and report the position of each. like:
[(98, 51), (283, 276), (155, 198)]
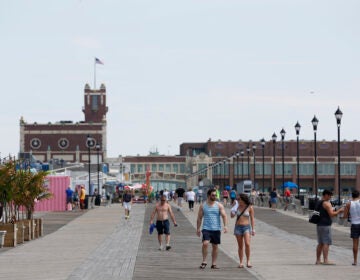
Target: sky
[(182, 71)]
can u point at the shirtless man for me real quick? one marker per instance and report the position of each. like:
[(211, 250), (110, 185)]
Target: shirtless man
[(162, 211)]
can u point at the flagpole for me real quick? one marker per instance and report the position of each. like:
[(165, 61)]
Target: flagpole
[(94, 73)]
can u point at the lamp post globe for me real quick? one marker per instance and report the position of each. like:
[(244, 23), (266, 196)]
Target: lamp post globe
[(338, 116)]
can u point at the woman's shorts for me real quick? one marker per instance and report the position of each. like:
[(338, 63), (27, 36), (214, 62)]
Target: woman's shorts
[(273, 200), (242, 229)]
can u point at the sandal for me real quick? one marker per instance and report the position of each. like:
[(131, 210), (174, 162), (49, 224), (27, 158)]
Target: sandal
[(203, 265), (214, 266)]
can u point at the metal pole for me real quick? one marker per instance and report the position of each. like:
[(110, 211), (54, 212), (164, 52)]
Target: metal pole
[(298, 165), (315, 154), (283, 165), (338, 146), (274, 175), (263, 168)]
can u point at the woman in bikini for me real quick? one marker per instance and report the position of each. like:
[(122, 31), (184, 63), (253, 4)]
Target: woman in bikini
[(244, 227)]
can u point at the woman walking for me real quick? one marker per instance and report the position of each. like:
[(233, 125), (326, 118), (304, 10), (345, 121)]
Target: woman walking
[(244, 227)]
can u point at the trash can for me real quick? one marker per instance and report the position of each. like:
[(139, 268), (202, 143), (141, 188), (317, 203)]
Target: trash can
[(312, 203), (98, 200), (301, 198), (86, 202)]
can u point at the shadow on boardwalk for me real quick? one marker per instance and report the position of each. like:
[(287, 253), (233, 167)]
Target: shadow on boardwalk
[(184, 258)]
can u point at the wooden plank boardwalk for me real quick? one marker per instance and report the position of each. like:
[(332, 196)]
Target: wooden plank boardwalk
[(184, 258)]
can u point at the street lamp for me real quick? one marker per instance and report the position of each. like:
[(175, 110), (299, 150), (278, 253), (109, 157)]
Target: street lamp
[(98, 166), (254, 151), (273, 137), (282, 132), (248, 161), (224, 182), (338, 116), (242, 164), (315, 122), (263, 164), (297, 129), (237, 165), (90, 143)]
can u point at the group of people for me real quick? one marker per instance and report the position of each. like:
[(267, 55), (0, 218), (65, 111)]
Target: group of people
[(212, 212), (209, 225), (75, 199)]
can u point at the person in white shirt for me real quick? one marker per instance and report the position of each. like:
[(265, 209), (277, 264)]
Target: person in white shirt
[(166, 193), (352, 211), (190, 197)]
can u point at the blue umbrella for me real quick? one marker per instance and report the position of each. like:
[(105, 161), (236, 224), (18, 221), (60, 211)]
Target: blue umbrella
[(290, 185)]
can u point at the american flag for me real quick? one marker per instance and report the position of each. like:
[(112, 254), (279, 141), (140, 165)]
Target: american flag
[(98, 61)]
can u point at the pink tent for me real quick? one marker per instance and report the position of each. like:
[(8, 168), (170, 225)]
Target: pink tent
[(57, 186)]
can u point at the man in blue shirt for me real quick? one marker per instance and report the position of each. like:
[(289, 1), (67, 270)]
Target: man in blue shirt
[(211, 211)]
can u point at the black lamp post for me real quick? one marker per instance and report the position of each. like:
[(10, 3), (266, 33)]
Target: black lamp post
[(254, 152), (242, 164), (297, 129), (90, 143), (282, 133), (315, 122), (338, 116), (237, 165), (224, 183), (98, 166), (263, 164), (274, 137), (248, 161)]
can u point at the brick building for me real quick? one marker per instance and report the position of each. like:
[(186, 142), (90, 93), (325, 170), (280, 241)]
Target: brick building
[(67, 141)]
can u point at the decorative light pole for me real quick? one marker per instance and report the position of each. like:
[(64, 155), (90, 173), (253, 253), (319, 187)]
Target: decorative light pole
[(282, 133), (224, 183), (338, 116), (98, 166), (315, 122), (254, 152), (242, 164), (248, 161), (90, 143), (237, 165), (263, 164), (297, 129), (274, 137)]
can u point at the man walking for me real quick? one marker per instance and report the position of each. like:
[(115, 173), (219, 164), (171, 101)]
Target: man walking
[(127, 202), (211, 211), (162, 211), (324, 227), (352, 211)]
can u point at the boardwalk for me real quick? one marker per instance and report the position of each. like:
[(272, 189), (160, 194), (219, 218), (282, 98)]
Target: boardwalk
[(101, 244)]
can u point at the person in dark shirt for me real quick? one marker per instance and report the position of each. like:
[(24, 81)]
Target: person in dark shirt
[(69, 198), (323, 228), (126, 202), (180, 196)]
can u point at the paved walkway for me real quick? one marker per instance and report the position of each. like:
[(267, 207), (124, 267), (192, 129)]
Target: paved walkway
[(101, 244)]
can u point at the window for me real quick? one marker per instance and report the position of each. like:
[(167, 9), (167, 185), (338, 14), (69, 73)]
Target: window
[(348, 169), (140, 168), (133, 168), (168, 168), (161, 167), (153, 167), (95, 102), (326, 169), (182, 168), (175, 168), (306, 169)]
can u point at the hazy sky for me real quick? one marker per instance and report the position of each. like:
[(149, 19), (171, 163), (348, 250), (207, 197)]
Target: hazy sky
[(182, 71)]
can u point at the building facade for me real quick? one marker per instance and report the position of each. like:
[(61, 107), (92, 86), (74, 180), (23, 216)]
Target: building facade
[(66, 141), (227, 163)]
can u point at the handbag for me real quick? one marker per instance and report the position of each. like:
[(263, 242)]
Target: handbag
[(315, 215)]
